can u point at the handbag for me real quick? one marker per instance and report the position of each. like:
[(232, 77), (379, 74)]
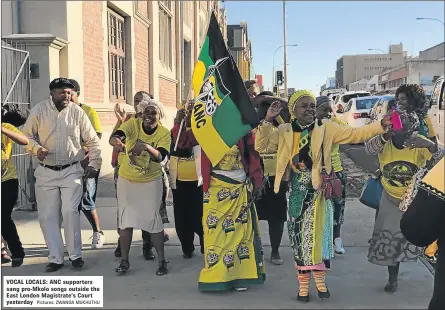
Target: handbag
[(372, 192), (331, 184)]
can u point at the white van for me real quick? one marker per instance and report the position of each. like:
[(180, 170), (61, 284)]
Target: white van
[(341, 100), (436, 111)]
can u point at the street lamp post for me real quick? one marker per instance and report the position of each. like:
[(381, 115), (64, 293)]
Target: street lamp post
[(273, 62), (429, 18), (284, 54)]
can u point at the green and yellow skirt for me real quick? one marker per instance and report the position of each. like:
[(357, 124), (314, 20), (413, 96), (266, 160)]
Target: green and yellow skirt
[(233, 252)]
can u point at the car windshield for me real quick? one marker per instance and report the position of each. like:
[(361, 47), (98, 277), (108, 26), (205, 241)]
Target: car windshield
[(346, 98), (363, 104)]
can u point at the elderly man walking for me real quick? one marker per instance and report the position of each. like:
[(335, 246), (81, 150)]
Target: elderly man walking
[(56, 128)]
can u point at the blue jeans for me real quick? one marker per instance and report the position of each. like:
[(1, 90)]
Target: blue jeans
[(89, 193)]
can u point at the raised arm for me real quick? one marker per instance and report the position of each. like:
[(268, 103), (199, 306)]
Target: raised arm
[(346, 135), (375, 145), (31, 131)]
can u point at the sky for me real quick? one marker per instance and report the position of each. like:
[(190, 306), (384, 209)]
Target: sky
[(327, 30)]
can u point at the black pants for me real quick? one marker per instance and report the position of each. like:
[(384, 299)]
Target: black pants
[(10, 193), (187, 207), (275, 234)]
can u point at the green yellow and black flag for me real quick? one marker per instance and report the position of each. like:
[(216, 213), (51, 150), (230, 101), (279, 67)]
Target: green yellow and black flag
[(223, 112)]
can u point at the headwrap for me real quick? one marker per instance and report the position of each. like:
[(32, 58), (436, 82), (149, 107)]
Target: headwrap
[(293, 99), (144, 104), (321, 100)]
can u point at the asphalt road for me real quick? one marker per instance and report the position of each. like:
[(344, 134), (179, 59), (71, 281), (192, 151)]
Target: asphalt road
[(357, 153)]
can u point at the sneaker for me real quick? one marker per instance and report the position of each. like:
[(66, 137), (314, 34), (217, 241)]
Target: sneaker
[(98, 240), (276, 259), (338, 246)]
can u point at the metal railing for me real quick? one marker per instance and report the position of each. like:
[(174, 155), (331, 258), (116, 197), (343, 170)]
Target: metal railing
[(16, 92)]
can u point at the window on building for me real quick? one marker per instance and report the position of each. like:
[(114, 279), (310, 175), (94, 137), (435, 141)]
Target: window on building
[(116, 55), (165, 33)]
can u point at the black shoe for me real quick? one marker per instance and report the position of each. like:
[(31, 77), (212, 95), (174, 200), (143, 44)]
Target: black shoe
[(148, 253), (17, 262), (303, 299), (188, 255), (391, 287), (324, 295), (77, 263), (162, 270), (123, 267), (51, 267)]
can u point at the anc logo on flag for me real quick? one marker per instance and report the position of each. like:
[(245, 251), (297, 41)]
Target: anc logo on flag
[(222, 113), (209, 91)]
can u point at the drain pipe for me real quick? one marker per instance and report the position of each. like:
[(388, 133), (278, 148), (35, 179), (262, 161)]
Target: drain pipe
[(16, 15), (181, 38)]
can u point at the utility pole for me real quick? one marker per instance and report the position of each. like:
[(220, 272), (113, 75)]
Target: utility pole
[(285, 48)]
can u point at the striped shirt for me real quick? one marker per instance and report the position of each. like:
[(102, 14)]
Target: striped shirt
[(61, 133)]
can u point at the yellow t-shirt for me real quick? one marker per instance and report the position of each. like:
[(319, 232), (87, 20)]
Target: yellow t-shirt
[(94, 118), (186, 168), (7, 162), (399, 166), (144, 169)]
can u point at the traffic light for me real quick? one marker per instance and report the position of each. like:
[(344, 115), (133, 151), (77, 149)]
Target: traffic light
[(275, 90), (279, 78)]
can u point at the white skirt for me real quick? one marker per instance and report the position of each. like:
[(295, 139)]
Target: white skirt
[(138, 205)]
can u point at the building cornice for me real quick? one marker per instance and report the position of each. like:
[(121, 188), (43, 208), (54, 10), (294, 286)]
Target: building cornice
[(37, 39)]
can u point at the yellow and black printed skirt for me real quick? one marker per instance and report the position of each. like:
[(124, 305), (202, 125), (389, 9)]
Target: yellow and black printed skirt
[(233, 252)]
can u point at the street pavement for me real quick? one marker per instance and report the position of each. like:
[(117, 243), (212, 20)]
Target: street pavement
[(356, 152), (354, 283)]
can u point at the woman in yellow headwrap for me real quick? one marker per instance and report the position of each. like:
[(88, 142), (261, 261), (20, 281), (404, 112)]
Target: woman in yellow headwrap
[(303, 155)]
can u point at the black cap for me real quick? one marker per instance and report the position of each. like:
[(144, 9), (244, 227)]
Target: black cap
[(76, 85), (60, 83)]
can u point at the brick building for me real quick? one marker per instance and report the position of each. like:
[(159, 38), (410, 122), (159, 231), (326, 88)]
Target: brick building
[(112, 48)]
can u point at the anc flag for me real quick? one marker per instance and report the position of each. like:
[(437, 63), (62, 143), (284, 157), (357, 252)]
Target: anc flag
[(223, 112)]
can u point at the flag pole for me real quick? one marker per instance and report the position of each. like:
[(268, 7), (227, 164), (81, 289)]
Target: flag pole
[(183, 120)]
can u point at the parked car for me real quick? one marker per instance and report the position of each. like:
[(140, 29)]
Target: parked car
[(381, 108), (343, 99), (437, 108), (356, 111)]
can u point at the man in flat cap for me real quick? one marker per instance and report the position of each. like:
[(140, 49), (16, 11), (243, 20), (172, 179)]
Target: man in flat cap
[(56, 128)]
